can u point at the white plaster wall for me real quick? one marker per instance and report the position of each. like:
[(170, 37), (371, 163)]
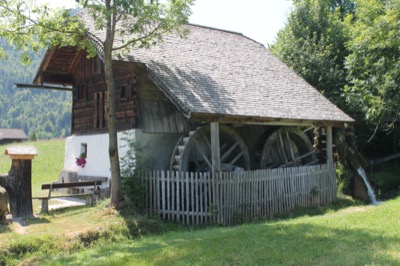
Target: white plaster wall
[(97, 161)]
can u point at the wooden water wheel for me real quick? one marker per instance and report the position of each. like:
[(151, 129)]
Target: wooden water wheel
[(193, 151), (287, 147)]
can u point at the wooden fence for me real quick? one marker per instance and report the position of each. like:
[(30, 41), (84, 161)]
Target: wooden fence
[(226, 198)]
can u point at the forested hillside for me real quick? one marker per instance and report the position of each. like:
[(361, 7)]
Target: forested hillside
[(44, 113)]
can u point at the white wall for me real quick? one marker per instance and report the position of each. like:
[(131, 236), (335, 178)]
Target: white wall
[(97, 161)]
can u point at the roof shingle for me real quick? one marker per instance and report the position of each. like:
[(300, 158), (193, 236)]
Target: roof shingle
[(219, 72)]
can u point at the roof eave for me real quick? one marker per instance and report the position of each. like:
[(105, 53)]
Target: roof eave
[(256, 120)]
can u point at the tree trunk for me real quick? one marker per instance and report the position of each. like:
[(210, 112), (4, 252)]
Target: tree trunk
[(116, 194), (18, 184), (116, 189)]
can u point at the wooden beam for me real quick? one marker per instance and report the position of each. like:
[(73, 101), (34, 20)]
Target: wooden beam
[(75, 61), (329, 145), (215, 148), (46, 87), (249, 120), (45, 64), (48, 58)]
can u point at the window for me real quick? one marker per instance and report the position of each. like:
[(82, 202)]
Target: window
[(123, 91), (82, 92), (83, 153)]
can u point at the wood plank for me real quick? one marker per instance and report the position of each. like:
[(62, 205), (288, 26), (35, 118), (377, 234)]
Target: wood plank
[(169, 195), (329, 146), (215, 148), (173, 195), (71, 184)]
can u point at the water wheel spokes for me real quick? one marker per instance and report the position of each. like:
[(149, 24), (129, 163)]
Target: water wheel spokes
[(229, 151), (200, 151), (286, 147), (193, 151)]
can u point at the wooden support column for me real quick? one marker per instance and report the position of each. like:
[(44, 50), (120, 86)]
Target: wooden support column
[(329, 145), (215, 148), (18, 183)]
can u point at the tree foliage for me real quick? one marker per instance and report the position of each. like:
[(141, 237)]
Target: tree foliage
[(374, 60), (313, 44), (119, 25), (350, 51)]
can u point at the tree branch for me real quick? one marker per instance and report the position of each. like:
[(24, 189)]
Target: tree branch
[(141, 38), (39, 24)]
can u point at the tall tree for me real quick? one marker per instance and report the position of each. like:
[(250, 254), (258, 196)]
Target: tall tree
[(136, 23), (313, 44), (374, 72)]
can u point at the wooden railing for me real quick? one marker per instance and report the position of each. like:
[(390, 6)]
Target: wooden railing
[(226, 198)]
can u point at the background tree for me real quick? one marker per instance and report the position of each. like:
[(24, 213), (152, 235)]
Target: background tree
[(374, 60), (313, 44), (135, 24)]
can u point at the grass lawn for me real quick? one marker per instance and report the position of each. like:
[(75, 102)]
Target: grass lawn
[(45, 167), (359, 235)]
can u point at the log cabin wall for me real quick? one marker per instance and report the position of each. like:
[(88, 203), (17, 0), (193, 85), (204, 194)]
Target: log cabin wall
[(140, 103), (155, 112), (90, 97)]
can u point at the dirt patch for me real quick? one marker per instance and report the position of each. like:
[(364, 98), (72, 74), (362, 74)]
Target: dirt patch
[(19, 226), (354, 209)]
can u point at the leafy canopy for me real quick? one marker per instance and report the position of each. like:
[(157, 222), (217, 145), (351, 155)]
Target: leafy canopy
[(141, 23), (313, 44), (374, 60)]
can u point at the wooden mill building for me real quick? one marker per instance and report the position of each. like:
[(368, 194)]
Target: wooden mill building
[(213, 101)]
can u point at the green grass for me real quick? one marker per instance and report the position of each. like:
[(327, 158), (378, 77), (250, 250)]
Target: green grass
[(45, 167), (333, 235), (360, 235)]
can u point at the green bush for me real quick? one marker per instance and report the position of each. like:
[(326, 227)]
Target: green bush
[(343, 179), (132, 166), (386, 184)]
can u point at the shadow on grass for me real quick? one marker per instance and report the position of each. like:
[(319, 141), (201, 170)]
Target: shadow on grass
[(38, 220), (67, 211), (4, 228), (339, 204), (257, 244)]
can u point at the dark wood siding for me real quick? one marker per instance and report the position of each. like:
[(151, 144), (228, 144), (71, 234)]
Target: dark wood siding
[(90, 97), (157, 113), (140, 103)]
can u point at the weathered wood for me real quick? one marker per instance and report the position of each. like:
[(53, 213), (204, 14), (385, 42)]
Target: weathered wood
[(71, 184), (248, 195), (329, 145), (215, 148), (19, 188), (89, 99), (89, 183)]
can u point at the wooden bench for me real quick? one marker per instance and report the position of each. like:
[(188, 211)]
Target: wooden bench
[(83, 184)]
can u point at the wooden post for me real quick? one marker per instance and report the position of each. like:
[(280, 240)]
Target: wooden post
[(329, 146), (18, 183), (215, 148)]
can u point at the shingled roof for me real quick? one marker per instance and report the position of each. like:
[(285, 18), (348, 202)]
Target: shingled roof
[(12, 134), (227, 74)]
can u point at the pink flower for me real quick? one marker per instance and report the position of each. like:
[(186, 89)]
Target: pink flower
[(81, 162)]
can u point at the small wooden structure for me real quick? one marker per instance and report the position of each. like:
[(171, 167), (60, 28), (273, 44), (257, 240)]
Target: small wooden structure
[(90, 196), (18, 182), (10, 135)]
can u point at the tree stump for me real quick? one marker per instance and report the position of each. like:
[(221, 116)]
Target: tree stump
[(18, 183), (3, 204)]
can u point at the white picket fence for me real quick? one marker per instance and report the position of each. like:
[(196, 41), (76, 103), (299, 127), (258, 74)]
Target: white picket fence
[(226, 198)]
